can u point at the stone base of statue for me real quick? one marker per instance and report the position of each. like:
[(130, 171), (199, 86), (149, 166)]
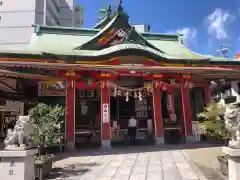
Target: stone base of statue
[(17, 164), (17, 148), (233, 162), (234, 144)]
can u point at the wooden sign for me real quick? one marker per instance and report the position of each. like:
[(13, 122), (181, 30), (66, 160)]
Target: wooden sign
[(105, 113), (48, 90), (88, 93), (88, 85), (170, 107)]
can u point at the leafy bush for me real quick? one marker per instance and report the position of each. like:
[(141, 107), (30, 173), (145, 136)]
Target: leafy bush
[(48, 120), (216, 130), (213, 111), (214, 126)]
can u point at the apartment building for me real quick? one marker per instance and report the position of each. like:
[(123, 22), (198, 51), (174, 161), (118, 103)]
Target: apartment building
[(17, 17)]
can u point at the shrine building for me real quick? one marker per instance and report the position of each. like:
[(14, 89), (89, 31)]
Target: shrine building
[(109, 73)]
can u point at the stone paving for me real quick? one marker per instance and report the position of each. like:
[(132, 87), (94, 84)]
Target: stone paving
[(156, 165), (206, 160)]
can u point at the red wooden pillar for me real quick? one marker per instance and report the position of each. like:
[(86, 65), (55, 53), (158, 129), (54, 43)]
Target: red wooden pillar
[(157, 110), (186, 109), (207, 93), (70, 114), (105, 114)]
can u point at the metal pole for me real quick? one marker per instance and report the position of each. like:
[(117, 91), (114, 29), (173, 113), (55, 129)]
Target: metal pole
[(45, 12)]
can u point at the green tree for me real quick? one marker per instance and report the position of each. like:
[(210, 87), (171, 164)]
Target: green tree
[(213, 111), (48, 120)]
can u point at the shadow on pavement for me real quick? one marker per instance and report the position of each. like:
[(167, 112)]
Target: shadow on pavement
[(130, 149), (211, 174), (71, 171)]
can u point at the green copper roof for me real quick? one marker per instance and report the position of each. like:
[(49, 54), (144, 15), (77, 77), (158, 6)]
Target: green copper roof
[(53, 41), (85, 42), (82, 43)]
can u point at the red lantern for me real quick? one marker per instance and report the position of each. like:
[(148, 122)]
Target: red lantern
[(157, 76), (105, 75), (187, 77), (68, 75)]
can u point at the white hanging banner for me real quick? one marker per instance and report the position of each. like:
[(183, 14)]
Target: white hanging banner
[(105, 113)]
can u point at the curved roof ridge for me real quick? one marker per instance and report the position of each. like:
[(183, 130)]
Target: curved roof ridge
[(102, 22), (195, 53), (145, 41), (124, 47), (158, 34), (149, 44), (99, 33), (106, 19)]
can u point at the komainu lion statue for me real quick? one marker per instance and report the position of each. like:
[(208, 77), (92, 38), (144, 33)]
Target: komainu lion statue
[(232, 122), (18, 138)]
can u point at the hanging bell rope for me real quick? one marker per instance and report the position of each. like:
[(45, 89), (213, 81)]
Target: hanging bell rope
[(140, 96), (127, 96), (126, 89)]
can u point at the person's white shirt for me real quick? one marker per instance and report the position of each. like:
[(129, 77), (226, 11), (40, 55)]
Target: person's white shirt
[(132, 122)]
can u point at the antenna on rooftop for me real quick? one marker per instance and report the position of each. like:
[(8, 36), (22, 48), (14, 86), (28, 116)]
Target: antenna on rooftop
[(224, 51)]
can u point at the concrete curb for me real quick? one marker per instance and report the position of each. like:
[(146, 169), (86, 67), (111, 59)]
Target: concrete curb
[(196, 169)]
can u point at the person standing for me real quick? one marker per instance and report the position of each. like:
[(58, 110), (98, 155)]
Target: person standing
[(132, 129)]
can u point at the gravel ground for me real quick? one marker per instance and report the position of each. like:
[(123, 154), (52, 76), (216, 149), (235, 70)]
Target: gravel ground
[(206, 161)]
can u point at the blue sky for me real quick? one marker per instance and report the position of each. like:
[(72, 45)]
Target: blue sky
[(205, 24)]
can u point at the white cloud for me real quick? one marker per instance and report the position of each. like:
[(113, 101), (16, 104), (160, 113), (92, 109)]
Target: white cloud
[(217, 22), (188, 33)]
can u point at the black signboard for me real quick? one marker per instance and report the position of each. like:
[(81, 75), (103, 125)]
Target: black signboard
[(88, 93)]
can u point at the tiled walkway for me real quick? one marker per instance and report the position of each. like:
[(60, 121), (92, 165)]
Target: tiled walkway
[(206, 160), (156, 165)]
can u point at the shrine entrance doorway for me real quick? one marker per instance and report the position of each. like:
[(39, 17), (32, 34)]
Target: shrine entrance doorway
[(131, 98), (173, 122), (87, 117)]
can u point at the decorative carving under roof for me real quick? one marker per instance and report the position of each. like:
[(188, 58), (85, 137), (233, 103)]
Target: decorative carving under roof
[(120, 7), (117, 31)]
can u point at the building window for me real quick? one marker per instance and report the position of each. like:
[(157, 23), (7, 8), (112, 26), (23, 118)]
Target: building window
[(1, 3)]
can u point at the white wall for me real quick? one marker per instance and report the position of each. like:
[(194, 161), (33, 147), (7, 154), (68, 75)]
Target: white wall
[(18, 16), (14, 5), (141, 28), (16, 22)]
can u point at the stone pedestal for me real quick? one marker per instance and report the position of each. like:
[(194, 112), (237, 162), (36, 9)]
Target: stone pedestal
[(159, 141), (190, 139), (70, 147), (17, 165), (233, 162), (106, 144)]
